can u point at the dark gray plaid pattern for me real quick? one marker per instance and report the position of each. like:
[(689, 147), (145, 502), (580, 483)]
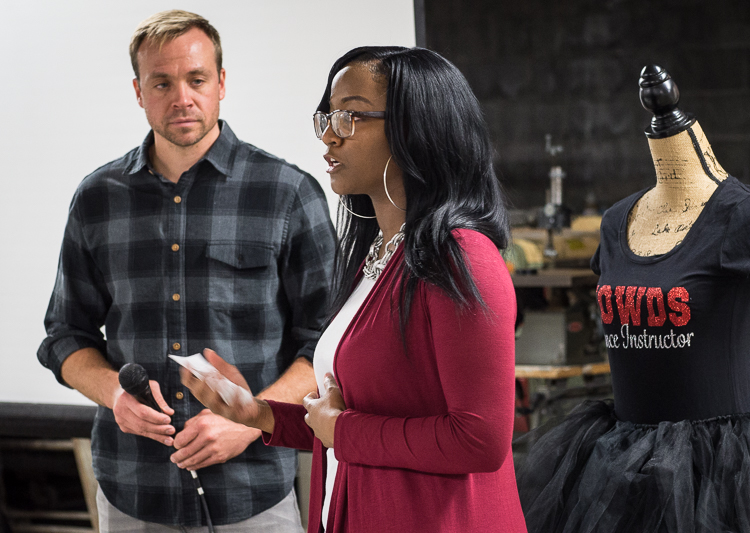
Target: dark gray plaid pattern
[(237, 257)]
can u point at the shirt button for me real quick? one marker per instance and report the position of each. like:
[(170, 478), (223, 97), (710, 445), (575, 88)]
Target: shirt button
[(179, 396), (175, 247), (176, 346), (177, 199), (176, 297)]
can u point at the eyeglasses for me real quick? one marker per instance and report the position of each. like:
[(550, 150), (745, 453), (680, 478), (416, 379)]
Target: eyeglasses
[(342, 122)]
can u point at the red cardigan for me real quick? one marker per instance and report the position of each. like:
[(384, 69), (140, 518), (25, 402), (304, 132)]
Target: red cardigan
[(425, 442)]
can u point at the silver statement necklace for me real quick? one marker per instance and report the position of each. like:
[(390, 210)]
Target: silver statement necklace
[(374, 266)]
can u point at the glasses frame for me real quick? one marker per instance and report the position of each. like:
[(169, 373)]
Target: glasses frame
[(352, 114)]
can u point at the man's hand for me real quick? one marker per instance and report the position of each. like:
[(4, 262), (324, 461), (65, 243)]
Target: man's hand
[(322, 412), (209, 439), (135, 418)]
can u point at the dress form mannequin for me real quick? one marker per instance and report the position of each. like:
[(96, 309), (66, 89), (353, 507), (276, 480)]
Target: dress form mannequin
[(687, 172), (670, 452)]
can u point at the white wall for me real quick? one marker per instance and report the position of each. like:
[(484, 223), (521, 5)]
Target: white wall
[(67, 107)]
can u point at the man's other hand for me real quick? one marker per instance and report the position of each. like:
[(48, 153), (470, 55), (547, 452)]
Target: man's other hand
[(208, 439)]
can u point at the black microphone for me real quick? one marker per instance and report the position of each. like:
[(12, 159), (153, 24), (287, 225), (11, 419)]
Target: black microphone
[(134, 380)]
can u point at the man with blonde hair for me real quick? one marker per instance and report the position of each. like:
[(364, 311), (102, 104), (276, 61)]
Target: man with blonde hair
[(193, 240)]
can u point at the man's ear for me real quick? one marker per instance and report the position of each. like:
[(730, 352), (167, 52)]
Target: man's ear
[(137, 87), (222, 80)]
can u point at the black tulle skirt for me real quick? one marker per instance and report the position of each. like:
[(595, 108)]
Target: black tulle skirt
[(594, 473)]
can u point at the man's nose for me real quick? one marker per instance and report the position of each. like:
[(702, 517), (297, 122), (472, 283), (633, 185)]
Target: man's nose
[(183, 96)]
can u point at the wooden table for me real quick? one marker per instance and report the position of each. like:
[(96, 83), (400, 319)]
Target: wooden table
[(555, 385)]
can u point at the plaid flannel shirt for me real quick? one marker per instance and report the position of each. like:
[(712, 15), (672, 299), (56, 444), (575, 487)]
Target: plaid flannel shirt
[(235, 256)]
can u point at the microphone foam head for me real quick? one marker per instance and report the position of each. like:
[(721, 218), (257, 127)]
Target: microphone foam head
[(133, 378)]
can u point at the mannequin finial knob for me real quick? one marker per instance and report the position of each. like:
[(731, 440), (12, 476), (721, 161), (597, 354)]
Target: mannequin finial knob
[(660, 95)]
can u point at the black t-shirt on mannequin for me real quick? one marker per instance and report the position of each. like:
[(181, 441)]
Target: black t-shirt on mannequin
[(671, 454), (677, 325)]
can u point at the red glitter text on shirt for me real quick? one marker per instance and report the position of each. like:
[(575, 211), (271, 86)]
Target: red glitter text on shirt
[(608, 313), (629, 302), (630, 308), (679, 306), (657, 316)]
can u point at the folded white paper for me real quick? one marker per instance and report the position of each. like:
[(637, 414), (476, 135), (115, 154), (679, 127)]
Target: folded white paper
[(206, 372)]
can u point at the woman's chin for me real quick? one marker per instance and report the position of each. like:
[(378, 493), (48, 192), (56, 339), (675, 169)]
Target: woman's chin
[(339, 188)]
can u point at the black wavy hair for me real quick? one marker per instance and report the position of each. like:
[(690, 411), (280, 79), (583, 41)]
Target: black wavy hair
[(438, 136)]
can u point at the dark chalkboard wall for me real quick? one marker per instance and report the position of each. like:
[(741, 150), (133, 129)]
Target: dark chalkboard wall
[(571, 69)]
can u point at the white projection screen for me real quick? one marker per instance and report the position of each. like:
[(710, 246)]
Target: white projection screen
[(68, 107)]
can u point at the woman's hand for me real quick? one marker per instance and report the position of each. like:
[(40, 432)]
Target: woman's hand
[(322, 412), (245, 410)]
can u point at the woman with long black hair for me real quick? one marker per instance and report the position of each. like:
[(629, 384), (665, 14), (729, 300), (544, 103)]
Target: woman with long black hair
[(412, 428)]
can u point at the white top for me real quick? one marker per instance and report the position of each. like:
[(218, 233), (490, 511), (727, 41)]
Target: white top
[(323, 364)]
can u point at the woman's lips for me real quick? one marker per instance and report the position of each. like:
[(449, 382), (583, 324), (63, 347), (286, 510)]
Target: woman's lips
[(333, 163)]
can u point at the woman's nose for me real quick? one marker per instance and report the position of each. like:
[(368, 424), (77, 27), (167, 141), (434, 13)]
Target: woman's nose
[(329, 137)]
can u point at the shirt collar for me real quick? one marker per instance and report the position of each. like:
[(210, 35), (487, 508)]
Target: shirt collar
[(141, 154), (219, 155), (221, 152)]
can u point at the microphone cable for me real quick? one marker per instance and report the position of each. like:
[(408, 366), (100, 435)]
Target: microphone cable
[(134, 380), (201, 494)]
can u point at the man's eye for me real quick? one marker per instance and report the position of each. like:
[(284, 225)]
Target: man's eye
[(199, 82), (161, 85)]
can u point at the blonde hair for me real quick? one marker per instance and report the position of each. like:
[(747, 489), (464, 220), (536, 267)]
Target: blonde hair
[(167, 25)]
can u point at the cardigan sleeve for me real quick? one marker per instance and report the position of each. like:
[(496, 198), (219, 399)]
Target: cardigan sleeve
[(290, 429), (475, 357)]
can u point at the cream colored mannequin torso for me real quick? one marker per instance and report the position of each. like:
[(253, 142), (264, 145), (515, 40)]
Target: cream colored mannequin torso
[(663, 216)]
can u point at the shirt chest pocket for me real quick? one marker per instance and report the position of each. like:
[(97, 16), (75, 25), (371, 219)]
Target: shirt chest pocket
[(241, 277)]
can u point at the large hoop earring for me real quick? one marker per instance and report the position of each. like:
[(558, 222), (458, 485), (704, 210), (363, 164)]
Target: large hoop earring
[(385, 186), (341, 201)]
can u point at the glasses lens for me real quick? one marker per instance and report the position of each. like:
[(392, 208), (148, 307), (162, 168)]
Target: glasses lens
[(342, 124), (320, 122)]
